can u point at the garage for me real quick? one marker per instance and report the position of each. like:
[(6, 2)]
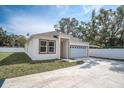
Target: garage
[(77, 51)]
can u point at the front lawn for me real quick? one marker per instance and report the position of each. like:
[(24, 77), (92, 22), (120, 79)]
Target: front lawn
[(19, 64), (4, 55)]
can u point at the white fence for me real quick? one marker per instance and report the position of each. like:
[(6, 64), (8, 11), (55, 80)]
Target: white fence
[(4, 49), (107, 53)]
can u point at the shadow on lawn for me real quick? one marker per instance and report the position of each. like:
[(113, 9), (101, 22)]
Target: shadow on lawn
[(15, 58), (1, 83), (18, 58)]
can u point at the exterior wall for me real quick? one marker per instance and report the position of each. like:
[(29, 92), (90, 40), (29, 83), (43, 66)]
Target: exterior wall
[(107, 53), (64, 36), (33, 50), (4, 49), (65, 49), (29, 48)]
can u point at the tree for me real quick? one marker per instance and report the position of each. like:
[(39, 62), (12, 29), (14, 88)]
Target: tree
[(21, 40), (68, 26), (84, 29), (3, 37), (104, 29), (11, 40), (120, 25), (94, 29)]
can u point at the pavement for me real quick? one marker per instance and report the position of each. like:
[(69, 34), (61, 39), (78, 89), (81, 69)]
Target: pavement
[(94, 73)]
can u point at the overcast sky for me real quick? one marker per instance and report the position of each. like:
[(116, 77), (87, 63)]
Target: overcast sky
[(38, 19)]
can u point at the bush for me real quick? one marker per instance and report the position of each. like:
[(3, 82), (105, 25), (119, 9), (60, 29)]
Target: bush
[(114, 47)]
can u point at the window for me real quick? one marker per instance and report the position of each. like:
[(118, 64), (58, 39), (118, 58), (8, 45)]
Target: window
[(51, 47), (43, 46), (47, 46)]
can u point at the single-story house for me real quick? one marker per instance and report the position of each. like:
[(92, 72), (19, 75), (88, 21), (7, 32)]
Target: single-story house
[(55, 45)]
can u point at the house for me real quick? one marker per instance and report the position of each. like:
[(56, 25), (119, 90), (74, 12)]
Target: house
[(55, 45)]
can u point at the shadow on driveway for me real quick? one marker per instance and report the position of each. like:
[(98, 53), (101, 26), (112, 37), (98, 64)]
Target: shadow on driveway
[(1, 83), (89, 64), (117, 67)]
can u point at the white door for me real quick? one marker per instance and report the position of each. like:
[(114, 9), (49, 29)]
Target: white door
[(78, 51)]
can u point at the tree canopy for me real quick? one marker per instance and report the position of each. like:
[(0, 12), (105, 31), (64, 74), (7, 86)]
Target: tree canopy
[(11, 40), (104, 29)]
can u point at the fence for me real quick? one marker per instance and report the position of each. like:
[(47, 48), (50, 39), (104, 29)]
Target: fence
[(107, 53), (4, 49), (104, 53)]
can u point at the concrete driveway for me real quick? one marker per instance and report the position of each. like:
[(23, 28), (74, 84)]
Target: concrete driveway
[(93, 73)]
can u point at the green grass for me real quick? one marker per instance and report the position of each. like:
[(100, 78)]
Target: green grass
[(4, 55), (19, 64)]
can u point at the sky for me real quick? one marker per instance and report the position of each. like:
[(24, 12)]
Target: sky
[(18, 19)]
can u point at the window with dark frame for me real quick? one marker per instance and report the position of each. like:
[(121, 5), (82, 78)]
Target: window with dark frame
[(43, 46), (51, 47), (46, 46)]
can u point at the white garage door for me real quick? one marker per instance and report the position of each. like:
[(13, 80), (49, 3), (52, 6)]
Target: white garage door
[(78, 51)]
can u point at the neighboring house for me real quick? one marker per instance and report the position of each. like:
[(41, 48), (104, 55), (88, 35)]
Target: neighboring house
[(55, 45)]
